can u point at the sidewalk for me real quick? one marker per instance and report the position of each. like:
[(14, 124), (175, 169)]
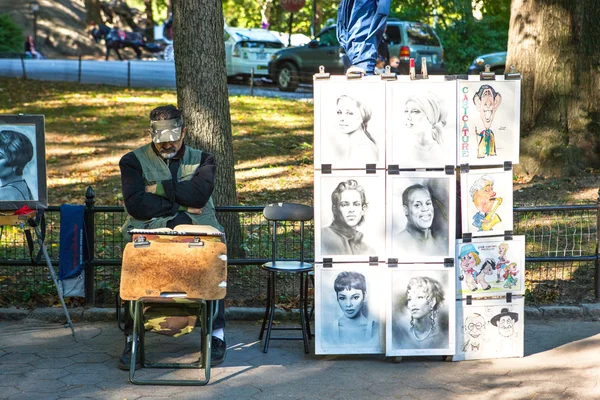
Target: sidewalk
[(40, 360)]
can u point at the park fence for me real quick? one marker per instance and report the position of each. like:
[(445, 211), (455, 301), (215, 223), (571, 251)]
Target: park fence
[(562, 265)]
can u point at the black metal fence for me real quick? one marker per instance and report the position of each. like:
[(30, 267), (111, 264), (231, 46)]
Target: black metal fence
[(561, 256)]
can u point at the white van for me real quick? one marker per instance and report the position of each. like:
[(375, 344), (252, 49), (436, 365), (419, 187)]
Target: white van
[(249, 48)]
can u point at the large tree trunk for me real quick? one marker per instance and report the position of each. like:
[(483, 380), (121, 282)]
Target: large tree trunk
[(93, 12), (555, 44), (203, 97), (149, 28)]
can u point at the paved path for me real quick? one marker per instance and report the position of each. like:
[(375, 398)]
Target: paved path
[(40, 360)]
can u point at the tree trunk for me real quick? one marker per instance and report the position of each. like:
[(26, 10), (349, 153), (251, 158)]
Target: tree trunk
[(555, 44), (149, 29), (203, 97), (93, 12)]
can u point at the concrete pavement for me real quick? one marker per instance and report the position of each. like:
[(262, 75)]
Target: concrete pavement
[(40, 360)]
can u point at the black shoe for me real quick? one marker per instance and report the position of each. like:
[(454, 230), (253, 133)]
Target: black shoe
[(218, 350), (125, 360)]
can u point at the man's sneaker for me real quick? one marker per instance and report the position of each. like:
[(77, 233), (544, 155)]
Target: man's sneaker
[(125, 360), (219, 348)]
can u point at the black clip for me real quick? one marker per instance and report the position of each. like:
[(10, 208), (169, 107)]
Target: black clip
[(464, 168), (392, 262), (327, 262), (393, 169), (508, 235), (449, 262), (322, 74), (371, 168), (325, 168), (486, 74), (469, 299), (140, 241), (507, 165), (467, 237), (509, 297), (388, 75), (512, 74), (449, 169), (373, 260)]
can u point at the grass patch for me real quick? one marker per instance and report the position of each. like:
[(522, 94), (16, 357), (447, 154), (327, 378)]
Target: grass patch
[(89, 128)]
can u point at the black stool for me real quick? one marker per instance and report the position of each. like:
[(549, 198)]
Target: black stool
[(287, 212)]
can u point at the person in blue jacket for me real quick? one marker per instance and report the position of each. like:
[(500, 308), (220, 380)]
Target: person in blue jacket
[(360, 28)]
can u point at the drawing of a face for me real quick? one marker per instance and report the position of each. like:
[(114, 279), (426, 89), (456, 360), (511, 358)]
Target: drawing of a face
[(416, 120), (419, 210), (5, 171), (502, 249), (487, 105), (488, 269), (484, 199), (474, 325), (349, 117), (418, 302), (468, 262), (350, 302), (351, 207), (506, 326)]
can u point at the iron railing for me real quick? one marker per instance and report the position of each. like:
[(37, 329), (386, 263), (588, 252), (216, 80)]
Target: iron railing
[(561, 255)]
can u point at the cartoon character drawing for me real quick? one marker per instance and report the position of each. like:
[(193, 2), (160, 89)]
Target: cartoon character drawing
[(505, 321), (469, 259), (487, 101), (510, 275), (485, 201), (487, 268), (502, 261), (474, 329)]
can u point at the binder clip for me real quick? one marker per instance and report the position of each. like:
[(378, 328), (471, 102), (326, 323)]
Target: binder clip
[(411, 70), (487, 75), (512, 74), (388, 75), (321, 74), (424, 68)]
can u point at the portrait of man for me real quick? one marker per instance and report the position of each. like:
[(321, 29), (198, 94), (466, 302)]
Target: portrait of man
[(485, 201), (505, 322), (487, 101), (473, 328)]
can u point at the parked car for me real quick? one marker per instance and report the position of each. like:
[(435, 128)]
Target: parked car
[(249, 48), (292, 66), (497, 62)]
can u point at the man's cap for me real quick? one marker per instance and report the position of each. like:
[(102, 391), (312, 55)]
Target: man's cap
[(168, 130)]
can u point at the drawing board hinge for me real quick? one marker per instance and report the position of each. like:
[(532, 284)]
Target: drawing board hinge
[(467, 237), (449, 262), (449, 169), (373, 260), (469, 299), (392, 262), (509, 297), (327, 262), (371, 168), (464, 168), (393, 169), (325, 168), (508, 235), (507, 165)]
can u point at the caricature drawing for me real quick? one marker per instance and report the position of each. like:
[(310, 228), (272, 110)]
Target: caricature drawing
[(502, 261), (510, 275), (485, 201), (469, 258), (353, 141), (487, 268), (353, 327), (487, 101), (474, 328), (348, 205)]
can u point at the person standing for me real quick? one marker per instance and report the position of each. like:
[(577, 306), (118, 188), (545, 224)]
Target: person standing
[(166, 183)]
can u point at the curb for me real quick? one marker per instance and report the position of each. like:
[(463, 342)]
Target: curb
[(587, 312), (96, 314)]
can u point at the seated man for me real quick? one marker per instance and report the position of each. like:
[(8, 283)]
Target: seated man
[(165, 184)]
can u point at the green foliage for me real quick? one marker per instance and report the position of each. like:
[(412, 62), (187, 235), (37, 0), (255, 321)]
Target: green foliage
[(159, 9), (11, 35)]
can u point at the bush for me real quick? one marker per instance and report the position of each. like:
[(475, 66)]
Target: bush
[(11, 35)]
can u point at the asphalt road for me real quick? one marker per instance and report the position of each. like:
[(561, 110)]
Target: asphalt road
[(146, 74)]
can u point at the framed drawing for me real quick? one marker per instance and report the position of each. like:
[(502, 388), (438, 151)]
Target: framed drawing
[(486, 201), (420, 313), (350, 309), (490, 266), (350, 122), (489, 329), (421, 123), (22, 162), (421, 210), (489, 121), (349, 216)]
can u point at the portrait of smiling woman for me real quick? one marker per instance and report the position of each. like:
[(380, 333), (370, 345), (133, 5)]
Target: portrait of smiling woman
[(16, 151)]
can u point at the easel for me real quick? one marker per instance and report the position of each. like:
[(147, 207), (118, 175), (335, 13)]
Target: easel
[(28, 221)]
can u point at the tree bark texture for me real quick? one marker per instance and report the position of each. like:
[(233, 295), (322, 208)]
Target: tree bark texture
[(93, 11), (555, 44), (149, 28), (202, 96)]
